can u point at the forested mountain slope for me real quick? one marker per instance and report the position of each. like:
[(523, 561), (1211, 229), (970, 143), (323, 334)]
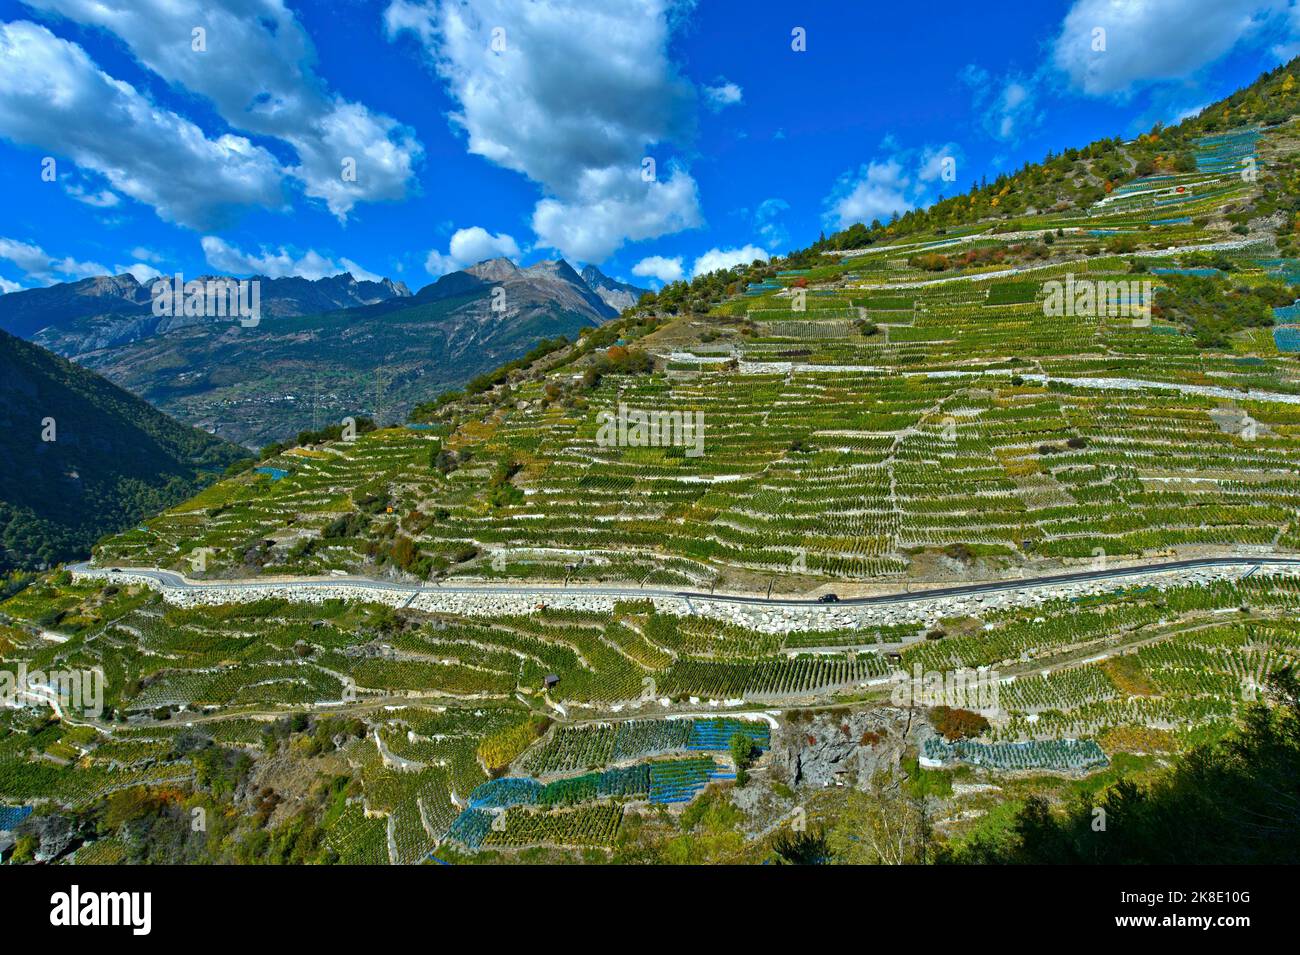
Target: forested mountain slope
[(81, 458)]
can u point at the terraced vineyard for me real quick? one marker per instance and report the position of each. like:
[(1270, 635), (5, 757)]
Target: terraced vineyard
[(515, 811), (1142, 669), (887, 421), (920, 411)]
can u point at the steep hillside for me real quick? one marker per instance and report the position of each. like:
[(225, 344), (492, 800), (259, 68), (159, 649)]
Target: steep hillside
[(109, 460), (1098, 390), (917, 411), (1088, 176)]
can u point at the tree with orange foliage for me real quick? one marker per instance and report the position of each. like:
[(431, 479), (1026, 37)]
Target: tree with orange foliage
[(954, 724)]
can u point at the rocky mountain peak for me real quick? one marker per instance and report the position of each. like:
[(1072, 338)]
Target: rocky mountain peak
[(493, 270)]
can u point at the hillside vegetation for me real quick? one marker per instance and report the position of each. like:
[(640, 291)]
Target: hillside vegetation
[(939, 403), (81, 458), (914, 410)]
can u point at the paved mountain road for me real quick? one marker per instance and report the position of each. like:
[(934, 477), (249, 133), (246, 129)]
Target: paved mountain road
[(171, 580)]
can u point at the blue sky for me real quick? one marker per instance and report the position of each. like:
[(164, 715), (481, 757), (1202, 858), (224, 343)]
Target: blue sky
[(521, 127)]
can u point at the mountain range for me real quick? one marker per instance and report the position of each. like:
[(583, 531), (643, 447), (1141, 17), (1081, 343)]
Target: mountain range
[(107, 311), (322, 349), (617, 295)]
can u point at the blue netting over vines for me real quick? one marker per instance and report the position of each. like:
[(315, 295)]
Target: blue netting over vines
[(471, 827), (1225, 152), (10, 816), (716, 734), (507, 791), (679, 780), (1287, 338)]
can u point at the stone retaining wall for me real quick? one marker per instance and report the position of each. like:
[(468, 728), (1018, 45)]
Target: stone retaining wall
[(765, 618)]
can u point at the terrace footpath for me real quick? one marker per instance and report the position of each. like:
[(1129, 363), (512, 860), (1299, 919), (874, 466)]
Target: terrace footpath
[(1117, 383), (1026, 269), (770, 615)]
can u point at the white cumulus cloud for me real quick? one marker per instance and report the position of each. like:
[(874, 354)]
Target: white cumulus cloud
[(661, 268), (99, 199), (257, 69), (904, 178), (142, 271), (359, 272), (878, 190), (723, 95), (767, 222), (43, 267), (273, 263), (715, 259), (934, 159), (1008, 105), (572, 94), (613, 205), (1145, 41), (1289, 48), (468, 247), (54, 97)]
